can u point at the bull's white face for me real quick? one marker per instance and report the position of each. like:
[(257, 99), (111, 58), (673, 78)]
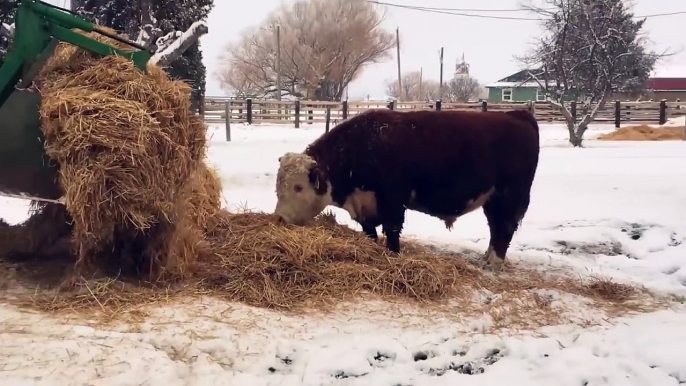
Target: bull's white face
[(300, 189)]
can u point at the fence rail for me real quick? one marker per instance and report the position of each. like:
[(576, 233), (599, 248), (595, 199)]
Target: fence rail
[(299, 113)]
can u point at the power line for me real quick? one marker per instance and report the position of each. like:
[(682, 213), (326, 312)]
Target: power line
[(662, 14), (446, 12), (460, 12), (463, 9)]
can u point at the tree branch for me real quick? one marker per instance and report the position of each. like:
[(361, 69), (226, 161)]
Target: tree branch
[(180, 45), (7, 30), (588, 118), (148, 32)]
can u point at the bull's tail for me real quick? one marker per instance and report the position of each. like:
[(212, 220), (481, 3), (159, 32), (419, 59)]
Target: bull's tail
[(525, 116)]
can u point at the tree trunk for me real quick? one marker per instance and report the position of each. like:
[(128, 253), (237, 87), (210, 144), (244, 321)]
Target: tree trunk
[(180, 45), (148, 33), (575, 139), (588, 118)]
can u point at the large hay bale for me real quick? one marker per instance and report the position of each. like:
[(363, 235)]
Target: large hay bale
[(127, 146)]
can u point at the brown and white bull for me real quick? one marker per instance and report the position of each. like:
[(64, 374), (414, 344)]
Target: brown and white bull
[(446, 164)]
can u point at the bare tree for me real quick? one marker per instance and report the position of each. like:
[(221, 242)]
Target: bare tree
[(462, 89), (414, 88), (324, 46), (431, 90), (592, 48)]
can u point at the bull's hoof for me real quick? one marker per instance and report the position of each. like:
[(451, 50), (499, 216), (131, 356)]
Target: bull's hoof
[(491, 262)]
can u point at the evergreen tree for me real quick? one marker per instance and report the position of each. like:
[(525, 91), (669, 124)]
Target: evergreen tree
[(120, 15), (171, 15), (6, 17), (174, 15), (124, 16)]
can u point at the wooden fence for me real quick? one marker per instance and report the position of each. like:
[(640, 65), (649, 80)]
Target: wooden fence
[(299, 113)]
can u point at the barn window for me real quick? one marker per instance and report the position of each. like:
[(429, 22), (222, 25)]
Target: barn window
[(507, 94), (540, 95)]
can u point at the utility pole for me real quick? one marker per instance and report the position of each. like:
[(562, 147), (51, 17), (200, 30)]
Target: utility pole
[(397, 46), (421, 73), (440, 90), (278, 62)]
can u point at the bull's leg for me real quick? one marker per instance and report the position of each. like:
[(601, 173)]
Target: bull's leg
[(504, 213), (369, 229), (393, 215)]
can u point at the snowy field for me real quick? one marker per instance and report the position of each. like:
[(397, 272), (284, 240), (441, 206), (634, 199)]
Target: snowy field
[(615, 209)]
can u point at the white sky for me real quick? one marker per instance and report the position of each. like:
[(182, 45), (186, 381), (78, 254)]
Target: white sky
[(488, 44)]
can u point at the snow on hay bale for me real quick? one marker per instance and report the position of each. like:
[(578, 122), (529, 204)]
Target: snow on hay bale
[(645, 133)]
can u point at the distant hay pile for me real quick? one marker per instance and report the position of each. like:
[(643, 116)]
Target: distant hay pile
[(645, 133), (129, 151)]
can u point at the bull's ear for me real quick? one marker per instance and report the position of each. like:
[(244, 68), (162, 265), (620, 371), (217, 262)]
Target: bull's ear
[(317, 180)]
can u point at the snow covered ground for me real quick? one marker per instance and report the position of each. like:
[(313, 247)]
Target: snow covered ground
[(613, 209)]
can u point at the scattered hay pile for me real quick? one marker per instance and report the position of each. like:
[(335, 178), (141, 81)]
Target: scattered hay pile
[(259, 262), (645, 133), (262, 263)]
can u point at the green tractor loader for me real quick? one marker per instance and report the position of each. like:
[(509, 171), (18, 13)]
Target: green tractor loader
[(25, 169)]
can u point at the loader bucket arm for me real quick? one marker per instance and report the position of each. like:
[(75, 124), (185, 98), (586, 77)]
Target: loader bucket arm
[(38, 23), (25, 169)]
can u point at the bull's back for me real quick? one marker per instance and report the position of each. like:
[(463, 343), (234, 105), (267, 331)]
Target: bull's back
[(469, 141), (441, 156)]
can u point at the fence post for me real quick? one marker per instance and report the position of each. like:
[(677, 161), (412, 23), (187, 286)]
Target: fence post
[(227, 112), (618, 114), (438, 105), (201, 108), (297, 114), (573, 111), (328, 118), (391, 105), (248, 106), (345, 109), (663, 112), (484, 106), (310, 116)]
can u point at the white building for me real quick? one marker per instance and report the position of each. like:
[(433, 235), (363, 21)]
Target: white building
[(461, 69)]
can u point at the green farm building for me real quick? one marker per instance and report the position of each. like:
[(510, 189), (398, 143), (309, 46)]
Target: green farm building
[(518, 87)]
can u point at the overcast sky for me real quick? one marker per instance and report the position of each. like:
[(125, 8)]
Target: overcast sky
[(488, 44)]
